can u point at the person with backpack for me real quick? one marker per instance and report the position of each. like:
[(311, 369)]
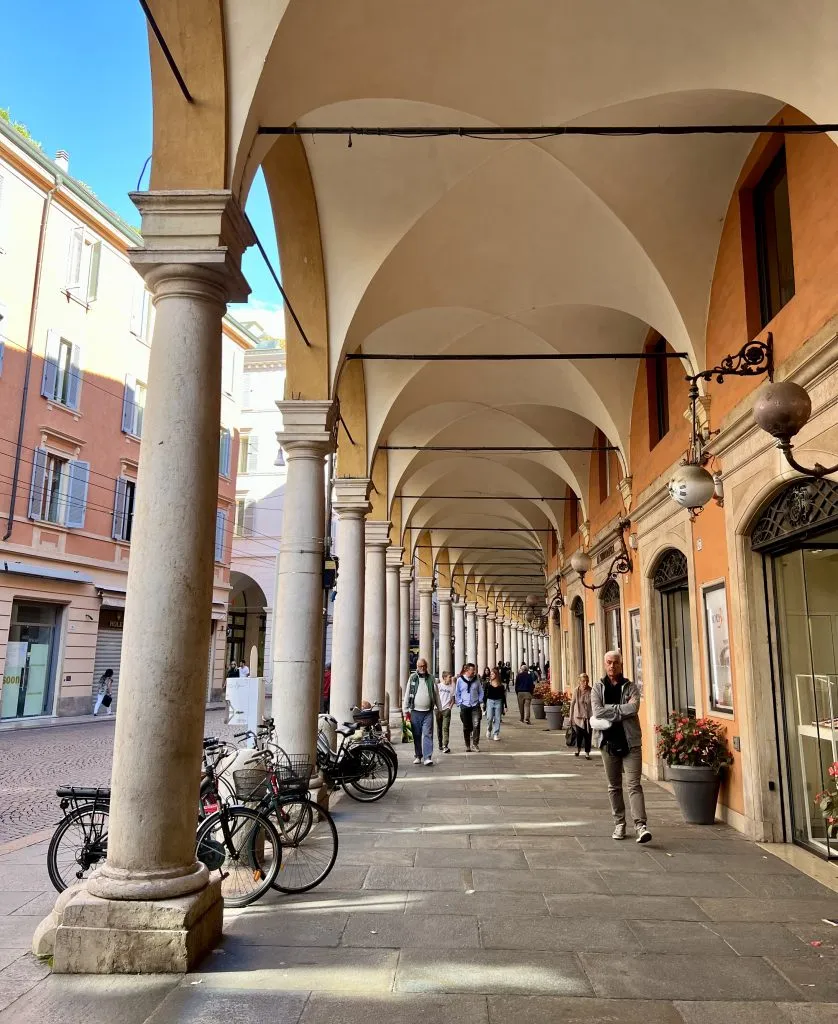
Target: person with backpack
[(469, 698), (421, 700)]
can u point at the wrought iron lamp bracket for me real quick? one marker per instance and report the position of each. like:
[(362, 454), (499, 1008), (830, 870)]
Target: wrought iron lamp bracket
[(621, 563), (817, 471)]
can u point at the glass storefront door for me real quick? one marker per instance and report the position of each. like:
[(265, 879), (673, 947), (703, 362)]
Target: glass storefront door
[(678, 650), (28, 673), (806, 596)]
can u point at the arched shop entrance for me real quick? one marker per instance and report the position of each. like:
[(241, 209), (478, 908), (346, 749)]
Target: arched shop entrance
[(671, 581), (797, 537), (246, 620)]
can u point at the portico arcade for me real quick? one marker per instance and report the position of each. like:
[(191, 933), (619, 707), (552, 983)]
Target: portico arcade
[(477, 477)]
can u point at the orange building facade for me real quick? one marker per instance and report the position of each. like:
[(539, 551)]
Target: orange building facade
[(733, 613), (75, 346)]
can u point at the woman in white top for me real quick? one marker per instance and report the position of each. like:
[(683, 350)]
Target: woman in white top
[(446, 690)]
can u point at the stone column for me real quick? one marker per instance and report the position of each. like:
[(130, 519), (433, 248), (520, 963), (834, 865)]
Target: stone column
[(405, 581), (519, 646), (151, 907), (446, 658), (392, 651), (507, 641), (306, 438), (350, 504), (471, 632), (376, 541), (481, 640), (425, 586), (541, 659), (491, 639), (459, 635)]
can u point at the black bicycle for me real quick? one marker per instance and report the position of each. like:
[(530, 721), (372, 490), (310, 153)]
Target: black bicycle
[(80, 843), (364, 770)]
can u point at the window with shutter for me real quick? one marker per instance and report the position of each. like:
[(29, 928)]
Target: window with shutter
[(78, 478), (74, 259), (244, 447), (133, 406), (36, 490), (93, 271), (123, 509), (252, 454), (224, 452), (49, 377), (220, 530), (72, 390), (140, 311), (247, 524)]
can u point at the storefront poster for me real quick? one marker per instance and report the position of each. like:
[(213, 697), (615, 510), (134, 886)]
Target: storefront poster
[(718, 647)]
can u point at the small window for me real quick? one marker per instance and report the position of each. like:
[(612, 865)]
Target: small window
[(133, 406), (58, 493), (772, 225), (61, 380), (220, 531), (657, 388), (224, 450), (83, 257), (244, 445), (248, 453), (244, 518), (123, 509)]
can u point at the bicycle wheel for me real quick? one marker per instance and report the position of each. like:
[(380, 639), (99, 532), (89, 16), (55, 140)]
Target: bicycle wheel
[(375, 775), (78, 846), (386, 749), (245, 848), (309, 845)]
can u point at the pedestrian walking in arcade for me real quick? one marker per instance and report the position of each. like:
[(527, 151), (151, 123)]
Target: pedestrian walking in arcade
[(524, 686), (469, 697), (447, 691), (421, 699), (495, 704), (615, 702), (104, 698), (580, 715)]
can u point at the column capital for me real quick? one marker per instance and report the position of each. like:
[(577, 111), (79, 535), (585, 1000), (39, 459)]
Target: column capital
[(308, 425), (193, 228), (377, 533), (470, 606), (444, 594), (350, 496), (406, 575), (393, 557), (492, 615), (425, 584), (482, 612)]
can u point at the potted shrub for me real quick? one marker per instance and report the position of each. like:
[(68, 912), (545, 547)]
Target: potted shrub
[(556, 706), (539, 693), (695, 752)]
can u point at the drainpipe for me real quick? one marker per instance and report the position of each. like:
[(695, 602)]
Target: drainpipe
[(30, 343)]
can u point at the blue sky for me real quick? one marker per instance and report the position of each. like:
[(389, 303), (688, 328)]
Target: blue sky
[(77, 75)]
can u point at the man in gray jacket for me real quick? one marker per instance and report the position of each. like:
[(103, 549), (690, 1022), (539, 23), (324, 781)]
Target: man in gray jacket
[(615, 703)]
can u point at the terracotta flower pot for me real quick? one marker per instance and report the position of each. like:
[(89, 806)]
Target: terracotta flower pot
[(696, 790)]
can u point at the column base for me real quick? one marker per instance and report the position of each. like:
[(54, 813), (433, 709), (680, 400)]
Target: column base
[(86, 934)]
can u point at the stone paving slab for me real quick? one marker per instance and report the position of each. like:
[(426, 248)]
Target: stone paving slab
[(485, 890)]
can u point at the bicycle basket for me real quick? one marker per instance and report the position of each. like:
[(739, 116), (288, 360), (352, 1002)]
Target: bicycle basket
[(251, 783), (369, 716), (294, 773)]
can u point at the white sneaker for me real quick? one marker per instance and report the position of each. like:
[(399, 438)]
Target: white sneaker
[(417, 760), (429, 760), (643, 834), (496, 737), (619, 832), (446, 750)]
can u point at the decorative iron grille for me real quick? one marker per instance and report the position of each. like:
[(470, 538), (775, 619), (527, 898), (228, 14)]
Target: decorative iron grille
[(803, 507), (671, 572), (610, 593)]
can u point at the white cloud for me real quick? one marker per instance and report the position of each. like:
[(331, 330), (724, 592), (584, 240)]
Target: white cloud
[(270, 315)]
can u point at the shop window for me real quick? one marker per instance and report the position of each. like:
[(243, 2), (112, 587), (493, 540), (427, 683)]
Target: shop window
[(58, 493), (123, 509), (61, 379), (83, 257), (133, 406), (224, 452), (772, 227), (657, 390), (577, 612), (671, 580)]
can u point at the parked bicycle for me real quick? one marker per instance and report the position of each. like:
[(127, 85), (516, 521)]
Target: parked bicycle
[(364, 770)]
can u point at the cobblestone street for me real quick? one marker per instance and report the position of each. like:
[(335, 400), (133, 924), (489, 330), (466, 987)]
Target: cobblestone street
[(34, 761)]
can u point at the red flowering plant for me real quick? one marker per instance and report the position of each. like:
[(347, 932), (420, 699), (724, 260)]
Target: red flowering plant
[(696, 742), (827, 803), (542, 691), (551, 699)]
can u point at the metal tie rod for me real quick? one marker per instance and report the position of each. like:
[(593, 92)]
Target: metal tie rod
[(507, 357)]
